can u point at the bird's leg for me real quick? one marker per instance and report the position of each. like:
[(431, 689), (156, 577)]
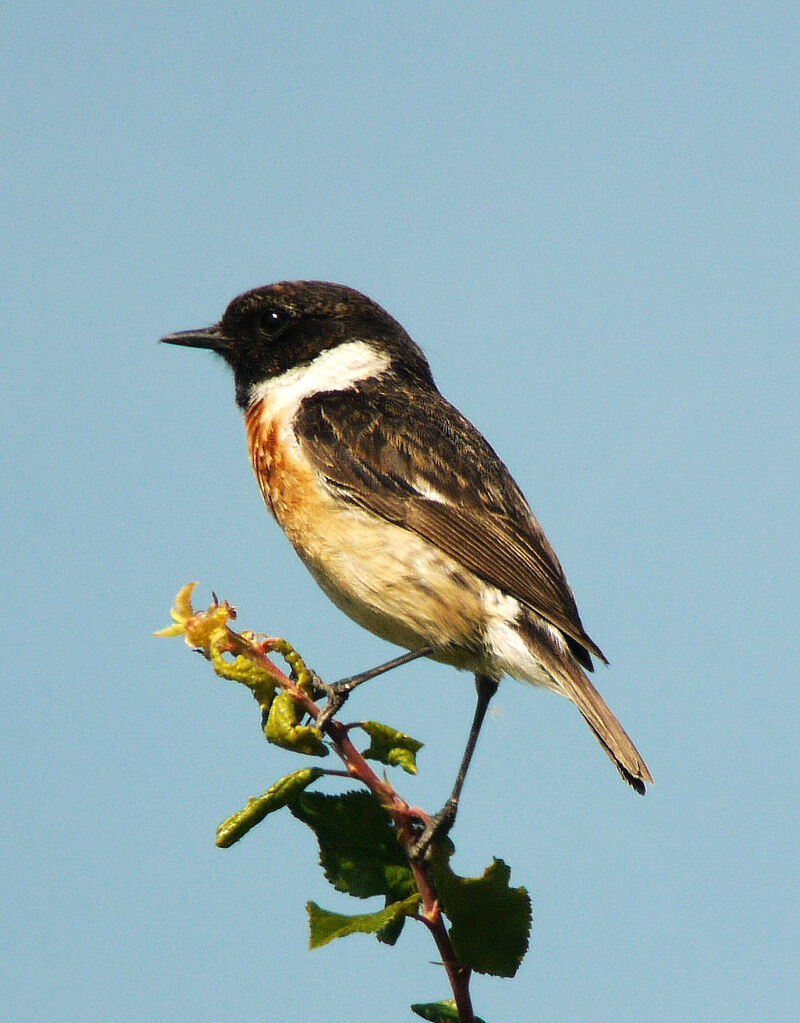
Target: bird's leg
[(337, 692), (444, 820)]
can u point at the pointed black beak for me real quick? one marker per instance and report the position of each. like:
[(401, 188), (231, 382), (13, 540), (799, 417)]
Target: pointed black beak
[(206, 337)]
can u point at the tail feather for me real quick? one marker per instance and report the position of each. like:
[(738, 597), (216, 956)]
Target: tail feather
[(609, 732), (573, 683)]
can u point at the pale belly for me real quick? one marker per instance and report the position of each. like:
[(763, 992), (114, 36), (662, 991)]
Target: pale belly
[(397, 585)]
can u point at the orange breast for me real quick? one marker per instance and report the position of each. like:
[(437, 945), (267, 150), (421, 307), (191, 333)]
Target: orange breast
[(262, 445), (286, 480)]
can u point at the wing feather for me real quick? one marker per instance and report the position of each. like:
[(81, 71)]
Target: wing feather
[(417, 462)]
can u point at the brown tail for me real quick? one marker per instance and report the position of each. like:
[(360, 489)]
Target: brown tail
[(574, 684), (610, 733)]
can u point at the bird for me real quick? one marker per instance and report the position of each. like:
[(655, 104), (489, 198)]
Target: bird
[(398, 506)]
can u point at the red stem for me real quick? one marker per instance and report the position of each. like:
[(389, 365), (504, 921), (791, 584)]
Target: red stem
[(401, 813)]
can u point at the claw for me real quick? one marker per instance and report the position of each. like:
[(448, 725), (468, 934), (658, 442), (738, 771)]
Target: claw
[(437, 827), (336, 697)]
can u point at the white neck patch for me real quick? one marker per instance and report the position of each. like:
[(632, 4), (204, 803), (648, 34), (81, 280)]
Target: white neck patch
[(335, 369)]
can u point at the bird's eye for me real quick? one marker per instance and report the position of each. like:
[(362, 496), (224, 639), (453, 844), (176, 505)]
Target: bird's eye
[(272, 321)]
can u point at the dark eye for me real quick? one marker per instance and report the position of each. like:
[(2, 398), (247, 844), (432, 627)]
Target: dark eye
[(272, 321)]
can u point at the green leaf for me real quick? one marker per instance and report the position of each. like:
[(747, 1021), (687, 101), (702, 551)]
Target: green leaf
[(490, 921), (440, 1012), (389, 746), (389, 934), (283, 728), (325, 926), (277, 796), (357, 846)]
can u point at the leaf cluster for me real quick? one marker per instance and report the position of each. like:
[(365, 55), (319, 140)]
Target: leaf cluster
[(360, 856), (365, 836)]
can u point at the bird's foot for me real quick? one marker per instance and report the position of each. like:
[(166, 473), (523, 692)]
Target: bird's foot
[(335, 695), (438, 827)]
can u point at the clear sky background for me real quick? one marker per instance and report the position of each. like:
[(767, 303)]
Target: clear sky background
[(587, 215)]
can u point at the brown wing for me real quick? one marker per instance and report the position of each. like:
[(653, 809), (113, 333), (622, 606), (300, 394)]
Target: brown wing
[(413, 459)]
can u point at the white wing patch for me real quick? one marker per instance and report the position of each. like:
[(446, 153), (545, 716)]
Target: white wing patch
[(424, 489)]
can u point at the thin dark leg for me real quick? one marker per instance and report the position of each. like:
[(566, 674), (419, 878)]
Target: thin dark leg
[(347, 685), (445, 818), (338, 692)]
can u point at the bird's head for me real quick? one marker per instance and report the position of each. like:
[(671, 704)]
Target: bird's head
[(269, 331)]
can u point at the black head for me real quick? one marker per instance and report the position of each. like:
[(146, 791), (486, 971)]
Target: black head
[(270, 330)]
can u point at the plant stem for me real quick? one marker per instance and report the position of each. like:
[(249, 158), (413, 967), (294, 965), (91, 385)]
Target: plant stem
[(399, 810), (457, 974)]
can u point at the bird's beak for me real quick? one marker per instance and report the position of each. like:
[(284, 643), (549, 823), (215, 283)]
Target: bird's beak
[(205, 337)]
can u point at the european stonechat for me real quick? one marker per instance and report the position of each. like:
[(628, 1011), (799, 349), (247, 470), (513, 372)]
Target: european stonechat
[(396, 504)]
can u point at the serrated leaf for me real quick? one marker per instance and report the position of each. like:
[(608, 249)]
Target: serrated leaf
[(326, 926), (357, 846), (389, 934), (490, 922), (440, 1012), (283, 728), (255, 810), (388, 746)]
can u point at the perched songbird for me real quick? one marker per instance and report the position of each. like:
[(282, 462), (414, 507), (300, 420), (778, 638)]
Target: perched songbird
[(397, 505)]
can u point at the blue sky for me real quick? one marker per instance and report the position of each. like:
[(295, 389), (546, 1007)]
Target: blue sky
[(587, 216)]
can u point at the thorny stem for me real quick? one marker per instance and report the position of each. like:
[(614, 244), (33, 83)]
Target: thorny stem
[(398, 809), (457, 974)]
